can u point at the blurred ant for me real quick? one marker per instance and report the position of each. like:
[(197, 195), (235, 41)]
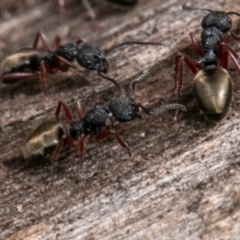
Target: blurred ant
[(128, 3), (212, 84), (25, 63), (28, 63)]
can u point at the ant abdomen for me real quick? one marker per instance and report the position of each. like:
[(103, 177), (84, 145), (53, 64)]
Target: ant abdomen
[(213, 92)]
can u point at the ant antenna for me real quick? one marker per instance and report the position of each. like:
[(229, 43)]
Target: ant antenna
[(169, 107), (185, 7), (120, 89), (138, 79), (234, 13)]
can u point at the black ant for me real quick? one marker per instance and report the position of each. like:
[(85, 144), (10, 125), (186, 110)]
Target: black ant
[(88, 55), (212, 84), (96, 123)]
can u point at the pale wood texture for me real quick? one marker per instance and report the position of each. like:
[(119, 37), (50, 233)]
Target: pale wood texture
[(183, 180)]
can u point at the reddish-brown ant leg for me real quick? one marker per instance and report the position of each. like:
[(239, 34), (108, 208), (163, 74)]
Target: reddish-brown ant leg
[(66, 111), (19, 76), (232, 55), (57, 41), (66, 62), (178, 69), (81, 146), (55, 156), (235, 37), (80, 110), (105, 133), (42, 37), (195, 45)]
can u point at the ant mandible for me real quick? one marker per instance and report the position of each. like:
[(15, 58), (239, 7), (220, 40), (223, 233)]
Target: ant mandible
[(212, 84)]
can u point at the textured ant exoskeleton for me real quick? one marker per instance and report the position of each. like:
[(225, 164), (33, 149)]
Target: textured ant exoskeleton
[(212, 84), (126, 109)]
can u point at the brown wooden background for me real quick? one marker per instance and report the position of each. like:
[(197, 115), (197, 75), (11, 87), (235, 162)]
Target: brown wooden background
[(183, 179)]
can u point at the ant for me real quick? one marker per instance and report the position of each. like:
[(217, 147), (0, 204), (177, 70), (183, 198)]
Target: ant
[(97, 123), (28, 63), (25, 63), (42, 138), (88, 55), (212, 84)]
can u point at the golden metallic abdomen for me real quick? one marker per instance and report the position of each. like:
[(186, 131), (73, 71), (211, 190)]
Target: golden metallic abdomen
[(213, 91)]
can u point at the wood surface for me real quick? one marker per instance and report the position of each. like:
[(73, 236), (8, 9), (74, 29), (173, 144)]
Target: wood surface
[(183, 179)]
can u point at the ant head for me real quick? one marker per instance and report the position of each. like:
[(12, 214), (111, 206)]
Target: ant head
[(124, 110), (92, 58), (217, 19)]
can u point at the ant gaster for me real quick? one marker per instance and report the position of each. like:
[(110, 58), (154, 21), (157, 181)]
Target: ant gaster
[(44, 137), (212, 84), (25, 63)]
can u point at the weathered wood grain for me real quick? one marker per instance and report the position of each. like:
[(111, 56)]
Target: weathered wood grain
[(183, 181)]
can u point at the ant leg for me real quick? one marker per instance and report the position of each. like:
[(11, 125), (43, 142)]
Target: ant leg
[(138, 79), (80, 110), (57, 41), (178, 69), (43, 79), (132, 42), (91, 13), (18, 76), (42, 37), (66, 111), (195, 45), (89, 9), (55, 156), (81, 146), (105, 133), (233, 55), (66, 62), (235, 36), (61, 4)]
